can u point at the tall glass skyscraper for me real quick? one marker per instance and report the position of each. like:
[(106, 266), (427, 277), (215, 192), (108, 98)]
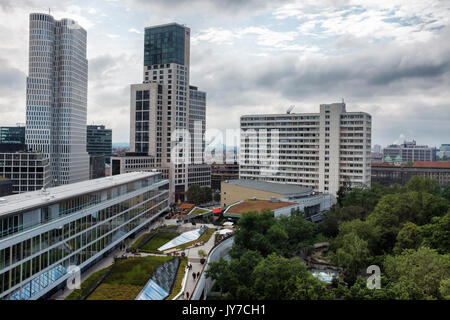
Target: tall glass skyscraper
[(57, 96), (166, 44)]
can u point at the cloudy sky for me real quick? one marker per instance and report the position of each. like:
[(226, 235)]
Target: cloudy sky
[(387, 57)]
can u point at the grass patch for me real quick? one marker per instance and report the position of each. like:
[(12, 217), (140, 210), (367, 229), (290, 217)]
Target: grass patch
[(127, 278), (178, 281), (203, 238), (86, 285), (136, 244), (157, 241), (199, 211)]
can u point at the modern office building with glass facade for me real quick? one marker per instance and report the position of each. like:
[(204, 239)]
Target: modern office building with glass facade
[(166, 44), (12, 135), (42, 233), (99, 141)]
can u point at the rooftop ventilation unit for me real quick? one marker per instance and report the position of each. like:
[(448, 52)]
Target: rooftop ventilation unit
[(290, 109)]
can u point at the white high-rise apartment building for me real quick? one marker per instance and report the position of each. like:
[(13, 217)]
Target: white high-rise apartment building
[(319, 150), (57, 96)]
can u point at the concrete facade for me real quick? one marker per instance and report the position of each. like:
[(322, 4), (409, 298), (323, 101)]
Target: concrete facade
[(322, 150), (162, 123), (388, 173)]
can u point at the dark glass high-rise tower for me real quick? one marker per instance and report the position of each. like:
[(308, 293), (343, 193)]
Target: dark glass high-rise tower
[(99, 141), (166, 44), (12, 135)]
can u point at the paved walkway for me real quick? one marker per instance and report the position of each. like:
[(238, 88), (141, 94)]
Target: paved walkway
[(109, 260), (194, 260), (191, 253)]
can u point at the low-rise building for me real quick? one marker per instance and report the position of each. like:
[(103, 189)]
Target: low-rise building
[(391, 172), (304, 198), (136, 161), (43, 234), (410, 151), (443, 152), (279, 208)]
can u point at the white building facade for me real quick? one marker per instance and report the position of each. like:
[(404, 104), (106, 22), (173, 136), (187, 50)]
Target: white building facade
[(56, 104), (322, 150)]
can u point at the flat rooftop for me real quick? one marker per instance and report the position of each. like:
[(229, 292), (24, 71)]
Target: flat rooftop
[(166, 25), (257, 205), (417, 164), (280, 188), (33, 199)]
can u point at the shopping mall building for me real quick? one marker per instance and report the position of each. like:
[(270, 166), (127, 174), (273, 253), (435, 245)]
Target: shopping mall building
[(44, 232)]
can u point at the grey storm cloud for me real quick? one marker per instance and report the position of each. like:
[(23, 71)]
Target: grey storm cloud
[(377, 70), (406, 88), (10, 78), (10, 5), (100, 65), (220, 6)]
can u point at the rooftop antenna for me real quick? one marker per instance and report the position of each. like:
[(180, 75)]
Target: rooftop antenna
[(290, 109)]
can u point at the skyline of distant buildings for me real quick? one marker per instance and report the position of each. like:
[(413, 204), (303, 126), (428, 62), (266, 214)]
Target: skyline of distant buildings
[(166, 103), (410, 151)]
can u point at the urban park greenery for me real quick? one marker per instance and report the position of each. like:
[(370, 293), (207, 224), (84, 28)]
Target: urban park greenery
[(405, 230)]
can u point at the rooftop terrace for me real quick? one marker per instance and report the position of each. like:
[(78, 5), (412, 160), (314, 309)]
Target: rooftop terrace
[(280, 188), (257, 205)]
